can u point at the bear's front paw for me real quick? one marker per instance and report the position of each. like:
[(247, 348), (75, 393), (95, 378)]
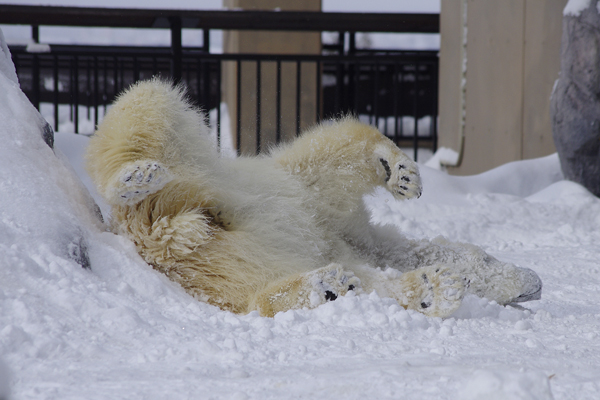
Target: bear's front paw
[(139, 179), (434, 291), (330, 282), (400, 174)]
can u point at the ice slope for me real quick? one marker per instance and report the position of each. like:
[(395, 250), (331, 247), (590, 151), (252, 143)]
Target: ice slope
[(123, 331)]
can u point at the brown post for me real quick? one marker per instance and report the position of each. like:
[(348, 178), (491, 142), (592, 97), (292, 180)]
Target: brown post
[(270, 42)]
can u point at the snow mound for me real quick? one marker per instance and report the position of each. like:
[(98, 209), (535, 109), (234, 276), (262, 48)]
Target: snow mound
[(499, 384)]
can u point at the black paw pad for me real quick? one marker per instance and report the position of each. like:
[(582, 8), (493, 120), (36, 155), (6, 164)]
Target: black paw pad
[(330, 296), (386, 166), (351, 287), (425, 305)]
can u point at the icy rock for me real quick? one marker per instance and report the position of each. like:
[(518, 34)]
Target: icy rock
[(575, 101), (42, 196)]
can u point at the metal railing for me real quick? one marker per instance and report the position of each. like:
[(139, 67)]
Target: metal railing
[(382, 87)]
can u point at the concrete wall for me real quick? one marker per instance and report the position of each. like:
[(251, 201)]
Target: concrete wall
[(270, 42), (512, 55)]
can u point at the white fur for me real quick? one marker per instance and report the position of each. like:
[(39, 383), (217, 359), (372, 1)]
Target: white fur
[(276, 232)]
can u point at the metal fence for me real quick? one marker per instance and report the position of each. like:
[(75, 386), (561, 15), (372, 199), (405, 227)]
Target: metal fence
[(381, 87)]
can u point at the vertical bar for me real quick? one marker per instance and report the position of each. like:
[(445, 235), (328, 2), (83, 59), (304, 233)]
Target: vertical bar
[(35, 82), (96, 90), (376, 97), (357, 88), (76, 92), (206, 84), (104, 85), (115, 77), (434, 116), (55, 89), (206, 40), (122, 74), (298, 92), (258, 90), (318, 113), (341, 42), (35, 69), (238, 133), (199, 84), (372, 79), (35, 33), (415, 113), (219, 105), (278, 104), (339, 83), (176, 49), (71, 86), (136, 69), (395, 100), (88, 88)]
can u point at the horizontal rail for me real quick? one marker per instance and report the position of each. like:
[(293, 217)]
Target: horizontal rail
[(212, 19), (111, 51)]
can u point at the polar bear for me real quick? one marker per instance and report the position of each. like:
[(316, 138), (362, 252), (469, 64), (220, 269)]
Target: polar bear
[(281, 231)]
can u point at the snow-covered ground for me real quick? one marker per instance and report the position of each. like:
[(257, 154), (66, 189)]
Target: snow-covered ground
[(120, 330)]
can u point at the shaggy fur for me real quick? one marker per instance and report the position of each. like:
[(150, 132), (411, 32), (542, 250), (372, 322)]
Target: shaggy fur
[(277, 232)]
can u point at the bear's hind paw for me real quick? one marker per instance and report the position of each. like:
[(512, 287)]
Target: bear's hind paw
[(139, 179), (434, 291)]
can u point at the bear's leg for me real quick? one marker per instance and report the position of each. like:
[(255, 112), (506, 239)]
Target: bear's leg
[(307, 290), (138, 179), (490, 278)]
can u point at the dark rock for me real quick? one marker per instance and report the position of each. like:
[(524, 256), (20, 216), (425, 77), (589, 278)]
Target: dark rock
[(575, 102)]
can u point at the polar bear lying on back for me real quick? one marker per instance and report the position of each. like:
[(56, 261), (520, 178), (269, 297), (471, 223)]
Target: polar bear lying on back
[(278, 232)]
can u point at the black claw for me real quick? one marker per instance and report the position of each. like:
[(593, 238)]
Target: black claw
[(351, 287), (330, 296), (403, 188), (425, 278), (406, 179), (425, 305), (401, 166)]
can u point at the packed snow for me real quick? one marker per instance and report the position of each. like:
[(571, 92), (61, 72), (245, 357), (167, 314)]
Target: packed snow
[(575, 7), (120, 330)]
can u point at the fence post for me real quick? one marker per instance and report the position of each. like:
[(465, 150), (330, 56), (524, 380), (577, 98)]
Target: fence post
[(176, 49)]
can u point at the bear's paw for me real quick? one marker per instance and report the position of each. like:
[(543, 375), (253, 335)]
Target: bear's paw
[(328, 283), (139, 179), (434, 290), (400, 173)]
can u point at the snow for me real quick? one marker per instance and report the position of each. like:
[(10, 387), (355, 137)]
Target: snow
[(575, 7), (7, 68), (121, 330)]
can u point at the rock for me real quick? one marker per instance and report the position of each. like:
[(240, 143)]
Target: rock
[(575, 102)]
